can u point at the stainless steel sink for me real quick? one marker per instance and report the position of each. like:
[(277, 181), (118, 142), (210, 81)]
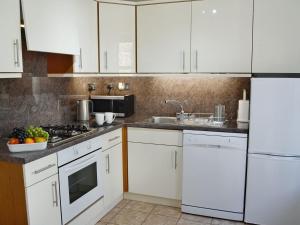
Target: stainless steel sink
[(191, 121), (164, 119)]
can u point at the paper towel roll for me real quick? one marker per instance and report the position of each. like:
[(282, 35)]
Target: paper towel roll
[(243, 111)]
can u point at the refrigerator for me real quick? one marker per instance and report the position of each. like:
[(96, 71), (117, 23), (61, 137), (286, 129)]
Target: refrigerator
[(273, 173)]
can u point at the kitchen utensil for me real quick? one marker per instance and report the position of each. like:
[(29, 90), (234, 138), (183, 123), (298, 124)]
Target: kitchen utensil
[(84, 109), (27, 147), (219, 115), (109, 117), (100, 118)]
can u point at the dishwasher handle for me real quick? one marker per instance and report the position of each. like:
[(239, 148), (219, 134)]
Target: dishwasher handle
[(214, 146)]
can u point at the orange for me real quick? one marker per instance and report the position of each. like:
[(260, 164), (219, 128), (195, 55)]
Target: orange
[(29, 141), (13, 141)]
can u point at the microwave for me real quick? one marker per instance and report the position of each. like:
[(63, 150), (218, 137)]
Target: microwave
[(123, 105)]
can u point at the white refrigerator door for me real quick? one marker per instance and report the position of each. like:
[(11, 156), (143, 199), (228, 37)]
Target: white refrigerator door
[(273, 190), (275, 116)]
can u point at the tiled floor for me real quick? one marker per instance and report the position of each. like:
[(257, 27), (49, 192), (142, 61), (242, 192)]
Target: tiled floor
[(140, 213)]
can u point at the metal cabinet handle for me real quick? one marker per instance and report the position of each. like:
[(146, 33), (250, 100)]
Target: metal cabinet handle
[(16, 53), (113, 139), (43, 169), (196, 60), (183, 61), (107, 164), (105, 60), (175, 163), (207, 146), (55, 195), (80, 58)]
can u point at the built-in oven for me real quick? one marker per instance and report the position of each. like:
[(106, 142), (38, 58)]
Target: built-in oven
[(80, 181)]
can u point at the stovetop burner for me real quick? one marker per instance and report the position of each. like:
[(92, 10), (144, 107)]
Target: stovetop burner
[(60, 134)]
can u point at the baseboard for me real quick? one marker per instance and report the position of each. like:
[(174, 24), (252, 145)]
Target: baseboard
[(212, 213), (152, 199)]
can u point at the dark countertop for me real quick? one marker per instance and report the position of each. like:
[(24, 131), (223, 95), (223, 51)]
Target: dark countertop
[(144, 122), (26, 157), (134, 121)]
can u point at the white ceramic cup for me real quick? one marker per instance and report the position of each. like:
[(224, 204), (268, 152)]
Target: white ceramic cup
[(100, 118), (109, 117)]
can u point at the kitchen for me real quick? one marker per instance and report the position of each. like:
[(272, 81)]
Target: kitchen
[(149, 127)]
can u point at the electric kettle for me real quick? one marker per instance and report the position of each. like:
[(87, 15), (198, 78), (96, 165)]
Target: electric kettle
[(84, 109)]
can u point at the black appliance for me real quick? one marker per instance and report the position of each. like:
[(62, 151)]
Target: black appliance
[(123, 106)]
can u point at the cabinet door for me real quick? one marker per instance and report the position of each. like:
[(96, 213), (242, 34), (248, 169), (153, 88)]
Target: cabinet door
[(221, 36), (163, 38), (10, 44), (155, 170), (276, 35), (43, 202), (113, 174), (50, 26), (117, 38), (86, 21)]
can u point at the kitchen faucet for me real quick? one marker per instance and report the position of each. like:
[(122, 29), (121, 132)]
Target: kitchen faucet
[(181, 115)]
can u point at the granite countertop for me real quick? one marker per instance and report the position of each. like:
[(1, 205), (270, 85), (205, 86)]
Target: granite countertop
[(133, 121), (145, 122), (26, 157)]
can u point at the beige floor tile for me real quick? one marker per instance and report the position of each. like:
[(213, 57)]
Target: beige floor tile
[(123, 203), (194, 218), (110, 215), (140, 206), (189, 222), (225, 222), (160, 220), (129, 217), (167, 211), (101, 223)]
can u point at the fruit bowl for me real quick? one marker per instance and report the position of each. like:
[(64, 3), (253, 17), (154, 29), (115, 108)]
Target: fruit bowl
[(27, 147)]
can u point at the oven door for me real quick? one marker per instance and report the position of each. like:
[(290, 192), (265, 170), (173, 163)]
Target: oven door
[(80, 185)]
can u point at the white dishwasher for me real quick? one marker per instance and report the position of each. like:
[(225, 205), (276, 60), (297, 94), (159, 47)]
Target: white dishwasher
[(214, 167)]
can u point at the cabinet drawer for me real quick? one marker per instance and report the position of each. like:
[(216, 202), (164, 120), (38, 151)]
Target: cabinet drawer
[(95, 143), (111, 139), (40, 169), (155, 136)]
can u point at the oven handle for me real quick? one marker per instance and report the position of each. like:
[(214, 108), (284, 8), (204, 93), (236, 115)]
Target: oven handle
[(81, 164)]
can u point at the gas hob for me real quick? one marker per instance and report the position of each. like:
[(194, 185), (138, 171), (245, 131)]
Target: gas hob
[(64, 133)]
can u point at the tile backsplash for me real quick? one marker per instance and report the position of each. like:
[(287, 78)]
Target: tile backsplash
[(42, 100), (39, 100)]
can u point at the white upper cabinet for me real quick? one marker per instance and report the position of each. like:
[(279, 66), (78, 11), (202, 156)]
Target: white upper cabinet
[(50, 26), (86, 20), (10, 35), (163, 38), (117, 38), (276, 35), (221, 36)]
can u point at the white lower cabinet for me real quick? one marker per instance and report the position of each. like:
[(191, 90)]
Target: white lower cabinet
[(43, 202), (112, 175), (155, 170), (155, 166)]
